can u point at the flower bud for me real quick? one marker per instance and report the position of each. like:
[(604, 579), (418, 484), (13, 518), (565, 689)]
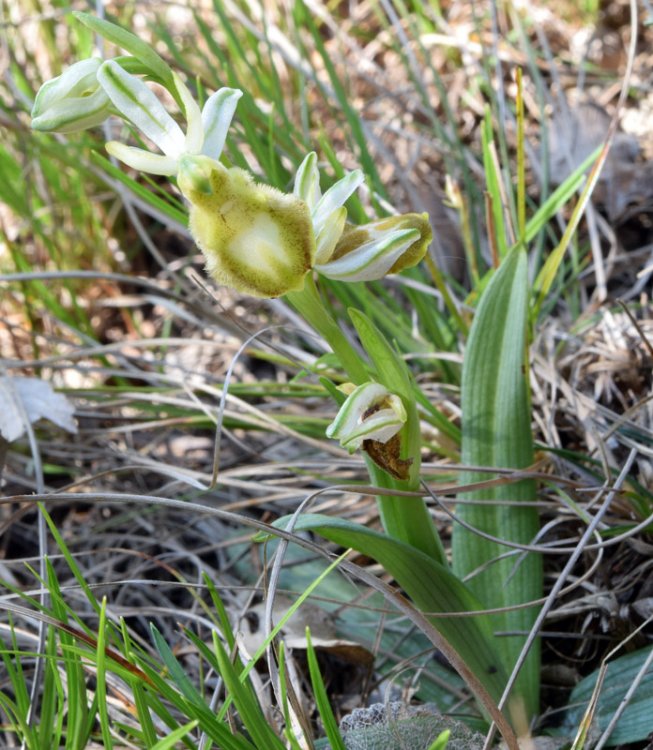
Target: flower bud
[(255, 238), (72, 101), (370, 251)]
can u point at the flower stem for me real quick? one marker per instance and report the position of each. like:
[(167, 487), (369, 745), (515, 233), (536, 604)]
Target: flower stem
[(406, 519), (309, 304)]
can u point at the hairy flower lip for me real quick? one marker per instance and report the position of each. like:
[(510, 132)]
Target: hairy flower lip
[(255, 238)]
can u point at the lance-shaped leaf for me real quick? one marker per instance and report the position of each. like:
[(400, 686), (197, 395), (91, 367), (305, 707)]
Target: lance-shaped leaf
[(72, 101), (468, 642), (370, 412), (496, 432)]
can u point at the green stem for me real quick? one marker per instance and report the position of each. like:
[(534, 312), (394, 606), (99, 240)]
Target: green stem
[(309, 304), (404, 518)]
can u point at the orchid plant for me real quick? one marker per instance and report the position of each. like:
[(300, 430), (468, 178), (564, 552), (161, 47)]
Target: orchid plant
[(267, 243), (255, 239)]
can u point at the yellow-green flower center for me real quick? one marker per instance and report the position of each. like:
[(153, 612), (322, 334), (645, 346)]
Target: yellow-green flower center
[(255, 238)]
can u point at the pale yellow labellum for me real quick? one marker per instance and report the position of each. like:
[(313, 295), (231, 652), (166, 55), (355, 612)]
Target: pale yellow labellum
[(255, 238)]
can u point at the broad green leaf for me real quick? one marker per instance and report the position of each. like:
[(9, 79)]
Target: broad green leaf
[(496, 432), (636, 722), (432, 587)]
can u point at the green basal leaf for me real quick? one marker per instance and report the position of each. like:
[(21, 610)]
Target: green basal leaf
[(432, 587), (636, 722), (496, 432)]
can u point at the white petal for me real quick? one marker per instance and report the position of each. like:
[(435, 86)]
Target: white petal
[(354, 408), (358, 420), (72, 114), (74, 81), (381, 426), (194, 129), (142, 160), (307, 181), (217, 115), (328, 238), (372, 260), (133, 99), (335, 197)]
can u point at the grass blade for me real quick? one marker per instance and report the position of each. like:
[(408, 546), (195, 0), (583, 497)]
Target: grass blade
[(322, 699), (101, 689)]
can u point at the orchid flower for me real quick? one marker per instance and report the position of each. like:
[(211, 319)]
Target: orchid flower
[(263, 242), (370, 412), (256, 239), (364, 253), (206, 129)]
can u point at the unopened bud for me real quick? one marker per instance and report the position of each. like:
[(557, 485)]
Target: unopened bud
[(72, 101)]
